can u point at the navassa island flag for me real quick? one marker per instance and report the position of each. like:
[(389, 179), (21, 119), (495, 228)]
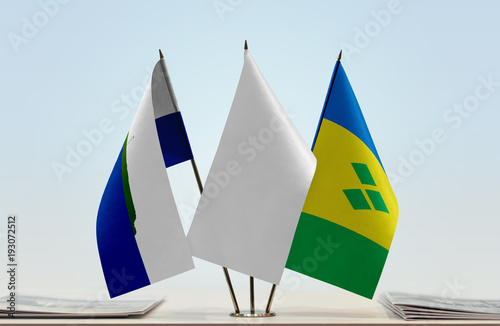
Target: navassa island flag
[(139, 232), (350, 213)]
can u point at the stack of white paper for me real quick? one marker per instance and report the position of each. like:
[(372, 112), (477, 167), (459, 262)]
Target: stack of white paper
[(412, 307), (50, 307)]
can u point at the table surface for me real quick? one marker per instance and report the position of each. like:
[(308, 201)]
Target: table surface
[(295, 307)]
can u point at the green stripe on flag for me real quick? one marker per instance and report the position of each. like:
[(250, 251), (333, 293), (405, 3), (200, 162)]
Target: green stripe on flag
[(336, 255), (126, 187)]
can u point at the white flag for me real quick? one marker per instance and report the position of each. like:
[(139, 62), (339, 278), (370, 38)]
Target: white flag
[(256, 187)]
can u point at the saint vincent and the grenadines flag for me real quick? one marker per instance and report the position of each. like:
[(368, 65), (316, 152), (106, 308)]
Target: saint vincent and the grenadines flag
[(139, 233), (350, 213)]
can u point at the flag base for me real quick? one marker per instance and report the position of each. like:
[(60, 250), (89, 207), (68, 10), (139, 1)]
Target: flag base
[(247, 313)]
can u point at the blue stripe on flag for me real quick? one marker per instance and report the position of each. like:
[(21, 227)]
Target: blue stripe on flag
[(344, 110), (173, 139), (121, 260)]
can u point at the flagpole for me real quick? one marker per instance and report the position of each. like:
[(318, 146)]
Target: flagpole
[(327, 98), (252, 297), (273, 289), (252, 313), (196, 173), (252, 293), (270, 300)]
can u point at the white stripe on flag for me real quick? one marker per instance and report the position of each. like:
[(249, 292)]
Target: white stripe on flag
[(160, 236)]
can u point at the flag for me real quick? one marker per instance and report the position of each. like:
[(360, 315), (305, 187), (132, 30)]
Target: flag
[(350, 213), (139, 233), (256, 187)]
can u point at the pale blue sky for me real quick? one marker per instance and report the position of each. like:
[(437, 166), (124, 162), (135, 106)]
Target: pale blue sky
[(86, 61)]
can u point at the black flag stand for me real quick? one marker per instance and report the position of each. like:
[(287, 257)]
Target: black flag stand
[(237, 313), (252, 312), (196, 173)]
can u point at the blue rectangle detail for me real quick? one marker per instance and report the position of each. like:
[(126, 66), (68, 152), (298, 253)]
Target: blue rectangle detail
[(173, 139)]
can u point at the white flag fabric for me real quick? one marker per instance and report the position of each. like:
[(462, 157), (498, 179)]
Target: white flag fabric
[(257, 185)]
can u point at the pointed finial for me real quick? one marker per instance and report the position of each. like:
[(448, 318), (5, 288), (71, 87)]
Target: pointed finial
[(340, 55), (246, 45), (161, 54)]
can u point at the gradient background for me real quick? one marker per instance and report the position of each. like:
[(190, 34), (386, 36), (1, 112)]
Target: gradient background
[(83, 63)]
